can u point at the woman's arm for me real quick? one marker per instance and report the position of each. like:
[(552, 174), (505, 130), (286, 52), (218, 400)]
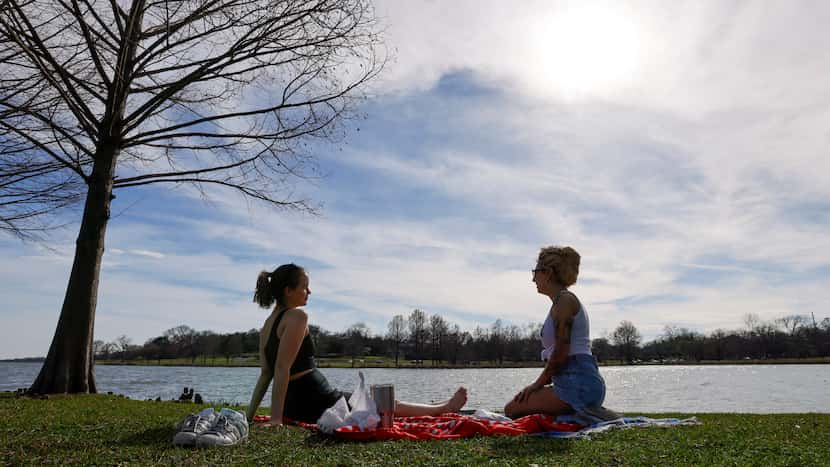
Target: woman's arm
[(265, 376), (293, 332), (563, 319)]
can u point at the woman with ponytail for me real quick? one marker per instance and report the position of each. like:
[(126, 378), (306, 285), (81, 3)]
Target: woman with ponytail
[(286, 355)]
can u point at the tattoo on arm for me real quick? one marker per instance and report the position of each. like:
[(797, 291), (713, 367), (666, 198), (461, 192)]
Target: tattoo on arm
[(563, 344)]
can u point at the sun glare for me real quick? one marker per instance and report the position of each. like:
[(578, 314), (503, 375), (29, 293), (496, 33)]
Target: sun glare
[(588, 50)]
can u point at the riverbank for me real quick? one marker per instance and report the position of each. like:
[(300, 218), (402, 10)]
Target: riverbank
[(379, 362), (101, 429)]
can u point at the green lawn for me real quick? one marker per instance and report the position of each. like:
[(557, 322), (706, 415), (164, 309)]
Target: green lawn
[(102, 429)]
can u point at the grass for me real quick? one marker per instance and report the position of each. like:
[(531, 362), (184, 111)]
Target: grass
[(102, 429)]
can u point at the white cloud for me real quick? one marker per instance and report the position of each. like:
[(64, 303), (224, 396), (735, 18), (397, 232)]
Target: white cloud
[(148, 253), (693, 187)]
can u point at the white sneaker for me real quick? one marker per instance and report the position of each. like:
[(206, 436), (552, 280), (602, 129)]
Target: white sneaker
[(230, 428), (193, 425)]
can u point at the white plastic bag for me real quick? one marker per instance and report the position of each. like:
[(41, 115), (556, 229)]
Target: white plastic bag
[(334, 416), (364, 412)]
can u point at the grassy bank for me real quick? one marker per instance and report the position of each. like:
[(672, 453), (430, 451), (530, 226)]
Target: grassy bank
[(114, 430)]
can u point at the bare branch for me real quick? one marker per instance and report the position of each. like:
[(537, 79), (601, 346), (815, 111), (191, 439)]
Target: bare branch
[(219, 93)]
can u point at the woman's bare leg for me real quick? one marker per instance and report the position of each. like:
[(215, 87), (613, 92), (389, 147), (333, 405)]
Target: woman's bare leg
[(453, 404), (541, 401)]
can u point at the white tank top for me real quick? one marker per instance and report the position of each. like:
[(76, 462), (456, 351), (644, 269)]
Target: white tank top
[(580, 334)]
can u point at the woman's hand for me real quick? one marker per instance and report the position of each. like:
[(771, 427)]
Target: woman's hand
[(526, 392)]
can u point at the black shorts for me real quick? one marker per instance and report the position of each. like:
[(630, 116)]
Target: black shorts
[(309, 396)]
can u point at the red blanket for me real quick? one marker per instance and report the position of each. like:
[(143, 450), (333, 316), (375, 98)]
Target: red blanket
[(447, 426)]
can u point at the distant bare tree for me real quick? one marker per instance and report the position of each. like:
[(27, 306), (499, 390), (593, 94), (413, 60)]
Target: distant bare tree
[(417, 331), (751, 321), (97, 347), (209, 344), (123, 342), (357, 335), (397, 333), (497, 341), (438, 328), (108, 349), (626, 338), (455, 341), (99, 95), (791, 323), (601, 348), (181, 338)]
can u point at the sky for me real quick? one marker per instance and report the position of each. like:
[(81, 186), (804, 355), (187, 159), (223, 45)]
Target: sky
[(679, 147)]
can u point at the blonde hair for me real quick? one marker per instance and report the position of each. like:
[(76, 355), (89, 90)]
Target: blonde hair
[(563, 261)]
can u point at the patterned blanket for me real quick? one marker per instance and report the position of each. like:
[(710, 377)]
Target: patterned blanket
[(454, 426)]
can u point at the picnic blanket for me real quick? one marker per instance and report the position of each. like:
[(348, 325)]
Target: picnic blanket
[(454, 426), (622, 422)]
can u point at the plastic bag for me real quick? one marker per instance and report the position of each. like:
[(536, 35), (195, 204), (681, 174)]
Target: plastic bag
[(364, 412), (334, 416)]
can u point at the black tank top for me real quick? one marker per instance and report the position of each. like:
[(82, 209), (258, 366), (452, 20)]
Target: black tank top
[(305, 356)]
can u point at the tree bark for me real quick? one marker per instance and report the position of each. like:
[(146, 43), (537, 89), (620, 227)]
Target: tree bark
[(69, 366)]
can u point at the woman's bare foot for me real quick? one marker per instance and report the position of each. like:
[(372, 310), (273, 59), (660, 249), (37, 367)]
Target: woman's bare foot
[(457, 400)]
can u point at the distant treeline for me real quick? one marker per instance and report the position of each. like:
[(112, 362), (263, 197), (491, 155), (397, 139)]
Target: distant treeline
[(432, 340)]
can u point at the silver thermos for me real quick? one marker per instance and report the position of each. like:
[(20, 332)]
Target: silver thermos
[(384, 397)]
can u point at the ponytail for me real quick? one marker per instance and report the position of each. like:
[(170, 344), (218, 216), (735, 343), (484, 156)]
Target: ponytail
[(263, 295)]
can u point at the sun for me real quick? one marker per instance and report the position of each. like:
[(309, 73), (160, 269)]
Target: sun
[(587, 50)]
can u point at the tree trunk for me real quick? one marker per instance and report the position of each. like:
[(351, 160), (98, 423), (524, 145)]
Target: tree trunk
[(69, 366)]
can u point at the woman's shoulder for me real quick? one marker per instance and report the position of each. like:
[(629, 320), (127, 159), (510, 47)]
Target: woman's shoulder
[(568, 302), (296, 314)]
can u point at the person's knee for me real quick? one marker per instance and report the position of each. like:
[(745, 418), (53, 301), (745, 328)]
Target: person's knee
[(510, 409)]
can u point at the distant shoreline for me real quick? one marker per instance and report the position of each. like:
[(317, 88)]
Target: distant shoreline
[(427, 366)]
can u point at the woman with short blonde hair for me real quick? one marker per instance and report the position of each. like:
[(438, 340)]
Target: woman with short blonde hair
[(571, 380)]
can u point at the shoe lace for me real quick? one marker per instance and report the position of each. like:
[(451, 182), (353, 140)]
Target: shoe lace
[(221, 425), (190, 422)]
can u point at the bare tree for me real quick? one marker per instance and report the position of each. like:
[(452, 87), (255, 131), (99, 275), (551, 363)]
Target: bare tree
[(791, 323), (98, 347), (123, 342), (182, 339), (497, 340), (751, 321), (438, 328), (397, 333), (455, 341), (357, 335), (627, 338), (601, 348), (108, 349), (99, 95), (417, 331)]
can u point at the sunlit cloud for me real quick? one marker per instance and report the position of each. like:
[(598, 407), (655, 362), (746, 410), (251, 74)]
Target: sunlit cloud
[(687, 167)]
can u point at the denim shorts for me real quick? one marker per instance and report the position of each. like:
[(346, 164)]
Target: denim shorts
[(579, 384)]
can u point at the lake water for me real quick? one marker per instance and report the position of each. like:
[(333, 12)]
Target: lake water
[(727, 388)]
